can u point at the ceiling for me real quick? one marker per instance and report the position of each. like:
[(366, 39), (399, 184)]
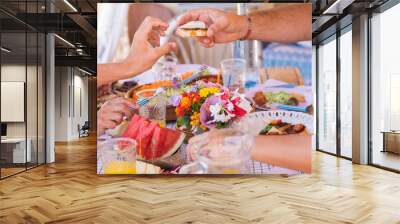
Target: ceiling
[(332, 15), (74, 21)]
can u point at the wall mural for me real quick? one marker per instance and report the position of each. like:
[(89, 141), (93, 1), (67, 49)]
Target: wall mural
[(179, 92)]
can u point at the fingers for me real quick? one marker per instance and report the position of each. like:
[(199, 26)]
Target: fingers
[(165, 49), (154, 39), (115, 117), (148, 25), (113, 112), (117, 105), (206, 41), (106, 124), (191, 15), (216, 27), (124, 106)]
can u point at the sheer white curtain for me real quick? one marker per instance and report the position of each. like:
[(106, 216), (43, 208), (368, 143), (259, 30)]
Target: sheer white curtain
[(111, 31)]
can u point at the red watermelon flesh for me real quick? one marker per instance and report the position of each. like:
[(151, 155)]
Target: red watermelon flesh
[(143, 139), (143, 124), (158, 140), (133, 127), (151, 137), (166, 141)]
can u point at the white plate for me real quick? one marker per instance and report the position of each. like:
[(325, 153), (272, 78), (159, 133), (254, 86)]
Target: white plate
[(260, 118), (306, 91)]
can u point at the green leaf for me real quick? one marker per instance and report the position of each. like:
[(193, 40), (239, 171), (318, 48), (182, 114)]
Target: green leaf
[(221, 125), (266, 129)]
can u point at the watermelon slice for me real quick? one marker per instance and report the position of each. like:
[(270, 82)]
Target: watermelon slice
[(150, 137), (143, 124), (143, 140), (166, 142), (158, 138), (133, 128)]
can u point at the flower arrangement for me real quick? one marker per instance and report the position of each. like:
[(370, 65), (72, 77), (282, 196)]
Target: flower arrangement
[(208, 105)]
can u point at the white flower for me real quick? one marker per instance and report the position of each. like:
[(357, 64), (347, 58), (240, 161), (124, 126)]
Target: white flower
[(237, 94), (219, 114), (215, 109), (245, 105), (229, 106)]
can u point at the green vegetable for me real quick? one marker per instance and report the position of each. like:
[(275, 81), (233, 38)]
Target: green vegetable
[(279, 97), (177, 91), (266, 129), (205, 72)]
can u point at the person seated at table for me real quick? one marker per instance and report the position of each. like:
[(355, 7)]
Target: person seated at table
[(285, 24), (144, 52), (112, 113), (288, 151)]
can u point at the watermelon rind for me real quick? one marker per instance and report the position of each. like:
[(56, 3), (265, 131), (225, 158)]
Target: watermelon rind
[(176, 146), (135, 131)]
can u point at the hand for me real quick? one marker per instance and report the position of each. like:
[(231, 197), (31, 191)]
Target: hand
[(112, 114), (146, 49), (223, 27)]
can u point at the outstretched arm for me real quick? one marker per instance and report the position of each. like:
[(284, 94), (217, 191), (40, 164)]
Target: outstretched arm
[(145, 51), (286, 24), (289, 23)]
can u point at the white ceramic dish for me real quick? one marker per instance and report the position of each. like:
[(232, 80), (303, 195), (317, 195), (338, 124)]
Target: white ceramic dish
[(260, 118)]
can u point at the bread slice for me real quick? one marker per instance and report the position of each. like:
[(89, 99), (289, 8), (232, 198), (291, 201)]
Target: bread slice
[(192, 29)]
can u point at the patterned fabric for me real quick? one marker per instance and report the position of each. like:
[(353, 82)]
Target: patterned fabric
[(290, 55), (257, 167)]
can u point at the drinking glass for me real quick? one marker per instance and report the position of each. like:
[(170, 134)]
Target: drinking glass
[(165, 68), (252, 77), (233, 73), (227, 153), (117, 156), (155, 109)]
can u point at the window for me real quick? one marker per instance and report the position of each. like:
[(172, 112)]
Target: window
[(22, 77), (346, 94), (327, 97), (385, 89)]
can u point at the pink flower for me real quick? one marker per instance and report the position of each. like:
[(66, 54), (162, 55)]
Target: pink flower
[(205, 113)]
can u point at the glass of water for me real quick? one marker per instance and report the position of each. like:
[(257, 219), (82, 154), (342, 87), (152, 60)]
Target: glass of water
[(165, 68), (227, 151), (233, 73), (155, 109)]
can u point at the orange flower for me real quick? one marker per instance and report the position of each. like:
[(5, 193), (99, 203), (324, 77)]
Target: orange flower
[(185, 102), (179, 112), (195, 97)]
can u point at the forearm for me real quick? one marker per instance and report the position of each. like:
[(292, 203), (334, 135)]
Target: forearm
[(285, 24), (108, 73), (289, 151)]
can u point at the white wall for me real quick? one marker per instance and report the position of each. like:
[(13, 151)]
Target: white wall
[(61, 104), (71, 93), (33, 127), (13, 73)]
